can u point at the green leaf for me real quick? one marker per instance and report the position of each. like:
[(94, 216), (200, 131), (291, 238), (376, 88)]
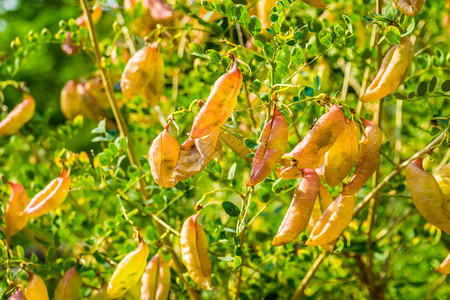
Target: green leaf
[(218, 6), (214, 55), (254, 25), (279, 185), (260, 40), (232, 172), (207, 5), (410, 28), (195, 47), (297, 55), (399, 96), (311, 46), (275, 28), (269, 50), (237, 262), (242, 15), (20, 252), (326, 37), (422, 88), (392, 35), (349, 23), (231, 209), (433, 84), (230, 9), (339, 31), (445, 87), (273, 17), (251, 144)]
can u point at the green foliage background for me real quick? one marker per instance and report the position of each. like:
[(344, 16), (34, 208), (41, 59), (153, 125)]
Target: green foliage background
[(91, 228)]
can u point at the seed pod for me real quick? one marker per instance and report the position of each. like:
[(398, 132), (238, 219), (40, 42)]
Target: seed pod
[(342, 156), (19, 116), (297, 217), (163, 157), (194, 252), (289, 172), (427, 196), (235, 144), (155, 88), (444, 267), (409, 7), (140, 71), (320, 4), (52, 196), (263, 12), (195, 154), (443, 179), (393, 71), (310, 152), (219, 105), (159, 11), (18, 295), (156, 279), (69, 286), (273, 143), (17, 202), (36, 289), (128, 271), (369, 158), (333, 221)]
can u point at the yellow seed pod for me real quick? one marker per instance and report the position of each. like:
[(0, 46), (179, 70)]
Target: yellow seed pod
[(194, 252), (17, 202), (18, 117), (443, 179), (128, 271), (444, 267), (36, 289), (156, 279), (316, 3), (69, 286)]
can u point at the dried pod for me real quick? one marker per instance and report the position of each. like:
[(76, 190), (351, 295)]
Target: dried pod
[(333, 221), (368, 160), (289, 172), (194, 252), (18, 295), (140, 71), (128, 271), (427, 196), (195, 154), (444, 267), (69, 286), (219, 105), (52, 196), (409, 7), (273, 143), (297, 217), (19, 116), (342, 156), (155, 88), (17, 202), (235, 144), (36, 289), (316, 3), (443, 179), (310, 152), (163, 156), (156, 279), (393, 71)]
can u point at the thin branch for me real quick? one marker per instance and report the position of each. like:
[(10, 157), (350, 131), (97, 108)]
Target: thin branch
[(299, 293)]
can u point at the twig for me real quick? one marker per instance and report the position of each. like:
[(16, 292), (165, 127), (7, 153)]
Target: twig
[(439, 283), (311, 272)]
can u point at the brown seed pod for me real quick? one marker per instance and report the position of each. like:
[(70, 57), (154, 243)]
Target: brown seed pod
[(393, 71), (342, 156), (297, 217), (17, 202), (194, 252), (316, 3), (219, 105), (444, 267), (69, 286), (18, 117), (427, 196), (369, 158), (409, 7), (443, 179), (310, 152), (333, 221), (273, 143), (156, 279)]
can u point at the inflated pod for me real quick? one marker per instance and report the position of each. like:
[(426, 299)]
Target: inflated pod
[(50, 198), (19, 116), (17, 202), (444, 267), (297, 217), (36, 289), (289, 172), (342, 156), (69, 286), (443, 179), (195, 154), (236, 144), (393, 71), (128, 271), (368, 160), (333, 221), (219, 105), (156, 279), (273, 144), (194, 252), (163, 156), (427, 196), (263, 11), (316, 3), (409, 7), (18, 295), (310, 152)]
